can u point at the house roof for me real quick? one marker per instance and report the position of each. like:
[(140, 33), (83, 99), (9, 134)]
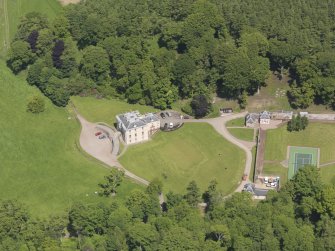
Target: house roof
[(134, 119), (264, 115), (251, 117)]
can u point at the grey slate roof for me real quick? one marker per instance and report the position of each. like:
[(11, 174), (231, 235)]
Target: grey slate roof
[(134, 119), (251, 118), (264, 115)]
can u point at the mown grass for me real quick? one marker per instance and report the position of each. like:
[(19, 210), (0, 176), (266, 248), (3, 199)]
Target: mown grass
[(321, 135), (16, 9), (328, 174), (193, 152), (246, 134), (105, 110), (236, 122), (40, 164)]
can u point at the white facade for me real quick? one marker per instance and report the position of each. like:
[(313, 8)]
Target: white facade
[(135, 127), (264, 118)]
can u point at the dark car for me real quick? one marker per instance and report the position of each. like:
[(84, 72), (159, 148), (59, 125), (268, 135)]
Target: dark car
[(186, 117), (163, 115)]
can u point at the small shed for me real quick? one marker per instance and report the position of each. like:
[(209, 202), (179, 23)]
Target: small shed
[(226, 110)]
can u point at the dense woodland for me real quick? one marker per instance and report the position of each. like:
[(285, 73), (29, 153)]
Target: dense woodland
[(154, 52), (299, 217)]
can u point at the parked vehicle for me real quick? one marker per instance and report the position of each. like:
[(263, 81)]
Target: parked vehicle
[(98, 133), (168, 114), (171, 125), (162, 115), (186, 117), (102, 136)]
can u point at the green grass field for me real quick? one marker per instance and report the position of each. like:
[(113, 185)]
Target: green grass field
[(328, 174), (12, 10), (40, 163), (105, 110), (236, 122), (319, 135), (314, 136), (193, 152), (300, 156), (246, 134)]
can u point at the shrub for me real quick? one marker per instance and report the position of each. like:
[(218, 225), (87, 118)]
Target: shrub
[(297, 123), (36, 104), (200, 106)]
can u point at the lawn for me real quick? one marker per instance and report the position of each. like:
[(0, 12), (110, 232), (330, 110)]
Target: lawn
[(105, 110), (12, 10), (40, 163), (246, 134), (236, 122), (328, 174), (194, 152), (320, 135)]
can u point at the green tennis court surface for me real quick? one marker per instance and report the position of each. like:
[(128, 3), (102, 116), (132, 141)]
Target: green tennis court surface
[(301, 156)]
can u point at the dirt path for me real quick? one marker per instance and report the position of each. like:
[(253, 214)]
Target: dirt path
[(260, 151), (327, 164), (66, 2), (6, 24), (219, 126)]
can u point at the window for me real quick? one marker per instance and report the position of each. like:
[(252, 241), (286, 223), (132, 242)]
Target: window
[(130, 136), (135, 134), (142, 133)]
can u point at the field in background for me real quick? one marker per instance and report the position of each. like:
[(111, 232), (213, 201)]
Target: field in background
[(40, 163), (317, 135), (11, 12), (328, 174), (193, 152), (105, 110)]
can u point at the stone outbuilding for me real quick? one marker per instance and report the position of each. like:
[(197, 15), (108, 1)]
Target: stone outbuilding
[(251, 120), (282, 115), (264, 118)]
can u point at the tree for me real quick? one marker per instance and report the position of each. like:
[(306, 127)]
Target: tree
[(200, 106), (142, 236), (155, 187), (95, 64), (192, 196), (113, 180), (57, 53), (302, 96), (19, 56), (178, 238), (36, 104), (243, 100), (297, 123)]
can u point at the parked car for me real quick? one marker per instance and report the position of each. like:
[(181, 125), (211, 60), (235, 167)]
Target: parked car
[(102, 136), (186, 117), (171, 125), (168, 114), (162, 115), (98, 133), (165, 125)]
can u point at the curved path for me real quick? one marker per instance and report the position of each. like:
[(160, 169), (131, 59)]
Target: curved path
[(219, 126), (102, 149)]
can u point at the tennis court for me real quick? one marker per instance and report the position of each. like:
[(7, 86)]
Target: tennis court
[(301, 156)]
